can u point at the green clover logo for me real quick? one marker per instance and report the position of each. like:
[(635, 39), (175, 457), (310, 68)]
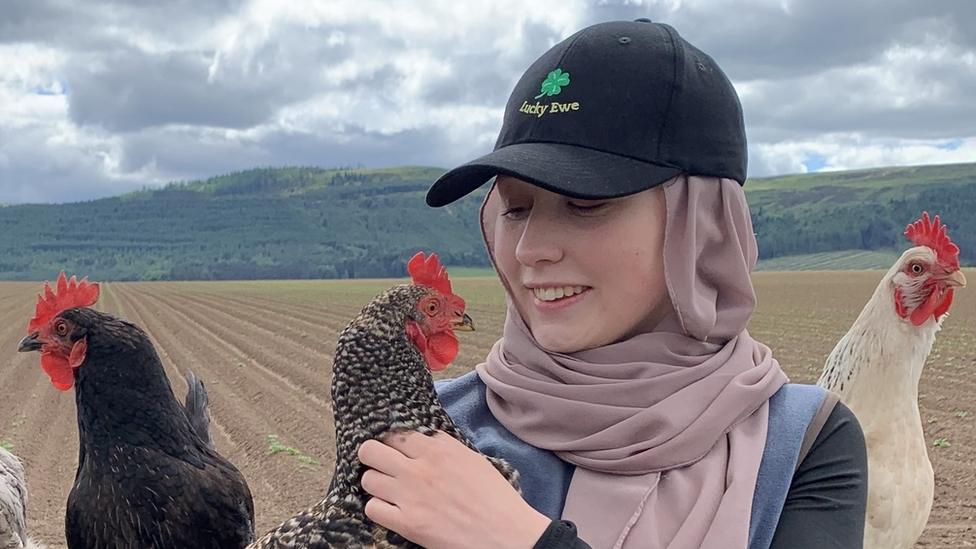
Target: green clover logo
[(554, 82)]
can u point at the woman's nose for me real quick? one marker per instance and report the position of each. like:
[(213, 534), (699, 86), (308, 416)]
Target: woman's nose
[(540, 241)]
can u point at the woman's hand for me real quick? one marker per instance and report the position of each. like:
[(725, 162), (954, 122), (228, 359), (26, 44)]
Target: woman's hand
[(438, 493)]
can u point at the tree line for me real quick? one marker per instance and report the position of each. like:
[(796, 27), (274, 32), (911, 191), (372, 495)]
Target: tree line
[(300, 223)]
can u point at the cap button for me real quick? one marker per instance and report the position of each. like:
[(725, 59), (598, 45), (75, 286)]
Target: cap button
[(643, 20)]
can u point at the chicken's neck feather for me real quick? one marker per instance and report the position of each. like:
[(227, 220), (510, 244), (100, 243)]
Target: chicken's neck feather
[(124, 397), (880, 359), (380, 383)]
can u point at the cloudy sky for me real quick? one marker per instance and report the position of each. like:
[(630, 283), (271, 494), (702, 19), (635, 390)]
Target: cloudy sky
[(102, 97)]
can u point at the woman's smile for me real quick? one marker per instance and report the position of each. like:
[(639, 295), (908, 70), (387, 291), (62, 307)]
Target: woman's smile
[(557, 298)]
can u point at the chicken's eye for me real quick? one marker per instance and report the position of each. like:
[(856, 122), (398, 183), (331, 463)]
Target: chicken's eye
[(432, 307), (61, 328), (917, 269)]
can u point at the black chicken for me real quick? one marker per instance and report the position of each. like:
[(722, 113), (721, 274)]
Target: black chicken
[(148, 475), (381, 382)]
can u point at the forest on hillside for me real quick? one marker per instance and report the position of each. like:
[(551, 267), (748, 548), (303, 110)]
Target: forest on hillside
[(311, 222)]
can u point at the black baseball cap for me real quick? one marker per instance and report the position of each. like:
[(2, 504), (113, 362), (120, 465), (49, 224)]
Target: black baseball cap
[(617, 108)]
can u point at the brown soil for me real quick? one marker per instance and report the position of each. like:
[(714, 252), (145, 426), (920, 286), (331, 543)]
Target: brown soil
[(264, 354)]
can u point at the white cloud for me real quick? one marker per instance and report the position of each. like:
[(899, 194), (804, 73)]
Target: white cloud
[(918, 91), (853, 151), (114, 96)]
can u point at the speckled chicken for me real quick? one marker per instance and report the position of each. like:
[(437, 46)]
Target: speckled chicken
[(148, 475), (381, 382), (876, 367), (13, 504)]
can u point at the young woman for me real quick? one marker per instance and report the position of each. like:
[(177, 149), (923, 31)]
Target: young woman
[(625, 387)]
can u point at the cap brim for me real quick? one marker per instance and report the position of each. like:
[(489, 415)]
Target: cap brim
[(565, 169)]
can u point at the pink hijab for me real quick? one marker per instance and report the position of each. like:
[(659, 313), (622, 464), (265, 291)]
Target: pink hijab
[(667, 428)]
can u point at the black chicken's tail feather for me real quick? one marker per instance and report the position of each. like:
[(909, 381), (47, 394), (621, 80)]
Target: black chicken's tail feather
[(196, 408)]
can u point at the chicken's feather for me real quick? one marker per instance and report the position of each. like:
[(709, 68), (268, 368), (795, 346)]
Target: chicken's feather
[(195, 406), (13, 504)]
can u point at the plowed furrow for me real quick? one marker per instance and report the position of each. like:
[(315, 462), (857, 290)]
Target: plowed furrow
[(255, 348)]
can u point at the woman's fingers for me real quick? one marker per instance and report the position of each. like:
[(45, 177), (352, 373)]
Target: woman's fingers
[(380, 485), (385, 514), (382, 457)]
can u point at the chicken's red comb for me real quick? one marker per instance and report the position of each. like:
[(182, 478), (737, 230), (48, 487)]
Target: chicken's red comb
[(924, 232), (71, 293), (429, 272)]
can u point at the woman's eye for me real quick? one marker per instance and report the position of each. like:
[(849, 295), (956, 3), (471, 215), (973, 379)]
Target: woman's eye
[(516, 212), (587, 208)]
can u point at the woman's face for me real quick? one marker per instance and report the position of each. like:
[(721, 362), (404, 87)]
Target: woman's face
[(582, 273)]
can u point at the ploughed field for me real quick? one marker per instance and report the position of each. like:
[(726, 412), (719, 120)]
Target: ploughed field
[(264, 350)]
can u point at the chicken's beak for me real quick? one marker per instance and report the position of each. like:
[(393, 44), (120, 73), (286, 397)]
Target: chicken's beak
[(465, 324), (956, 278), (30, 343)]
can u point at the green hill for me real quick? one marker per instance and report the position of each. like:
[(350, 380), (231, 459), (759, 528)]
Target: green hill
[(861, 209), (263, 223), (310, 222)]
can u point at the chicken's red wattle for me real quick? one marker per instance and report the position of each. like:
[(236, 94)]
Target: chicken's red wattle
[(56, 367)]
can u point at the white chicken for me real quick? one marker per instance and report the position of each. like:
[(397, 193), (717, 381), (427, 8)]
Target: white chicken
[(13, 504), (876, 367)]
